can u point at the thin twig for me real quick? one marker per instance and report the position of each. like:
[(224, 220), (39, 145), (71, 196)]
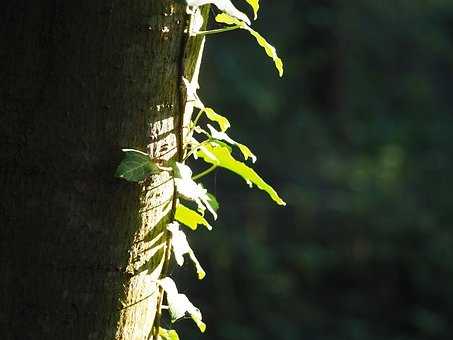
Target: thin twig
[(219, 30), (204, 173)]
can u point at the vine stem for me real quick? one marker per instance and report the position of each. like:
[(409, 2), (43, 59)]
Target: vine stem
[(204, 173), (179, 157), (187, 155), (197, 118), (160, 299), (219, 30), (191, 152), (180, 154)]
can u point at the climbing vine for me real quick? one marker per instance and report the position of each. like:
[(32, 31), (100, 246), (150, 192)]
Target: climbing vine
[(192, 204)]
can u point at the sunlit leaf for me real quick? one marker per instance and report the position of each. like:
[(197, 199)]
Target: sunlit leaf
[(190, 218), (270, 50), (200, 271), (188, 189), (246, 152), (197, 318), (192, 95), (165, 334), (223, 5), (202, 150), (255, 6), (223, 122), (135, 166), (181, 247), (197, 22), (169, 286), (178, 242), (222, 157), (191, 191), (181, 170), (179, 305), (228, 19)]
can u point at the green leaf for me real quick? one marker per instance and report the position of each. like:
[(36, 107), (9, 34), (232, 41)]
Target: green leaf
[(190, 218), (246, 152), (227, 6), (165, 334), (207, 203), (179, 304), (270, 50), (255, 6), (181, 247), (229, 20), (188, 189), (213, 202), (221, 156), (136, 166), (223, 122)]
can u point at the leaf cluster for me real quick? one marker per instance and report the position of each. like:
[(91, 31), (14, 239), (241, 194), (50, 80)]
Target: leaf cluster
[(213, 146)]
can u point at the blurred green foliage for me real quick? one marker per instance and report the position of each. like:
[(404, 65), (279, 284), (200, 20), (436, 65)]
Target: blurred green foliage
[(358, 137)]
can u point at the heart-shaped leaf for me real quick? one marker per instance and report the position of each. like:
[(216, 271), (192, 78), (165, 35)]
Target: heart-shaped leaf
[(136, 166)]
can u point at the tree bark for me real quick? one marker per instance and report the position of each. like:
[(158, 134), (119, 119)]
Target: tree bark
[(80, 250)]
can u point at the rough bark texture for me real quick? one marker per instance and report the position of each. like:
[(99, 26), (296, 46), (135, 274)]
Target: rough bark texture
[(79, 81)]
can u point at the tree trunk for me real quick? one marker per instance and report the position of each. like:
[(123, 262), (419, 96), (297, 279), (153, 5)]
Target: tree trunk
[(79, 249)]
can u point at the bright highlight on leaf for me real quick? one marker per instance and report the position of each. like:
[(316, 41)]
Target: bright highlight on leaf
[(255, 6), (179, 305), (188, 189), (270, 50), (229, 20), (192, 95), (190, 218), (165, 334), (136, 166), (181, 247), (220, 155), (223, 5), (224, 137), (223, 122)]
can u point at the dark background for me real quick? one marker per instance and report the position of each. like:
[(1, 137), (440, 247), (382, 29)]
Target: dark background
[(358, 139)]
